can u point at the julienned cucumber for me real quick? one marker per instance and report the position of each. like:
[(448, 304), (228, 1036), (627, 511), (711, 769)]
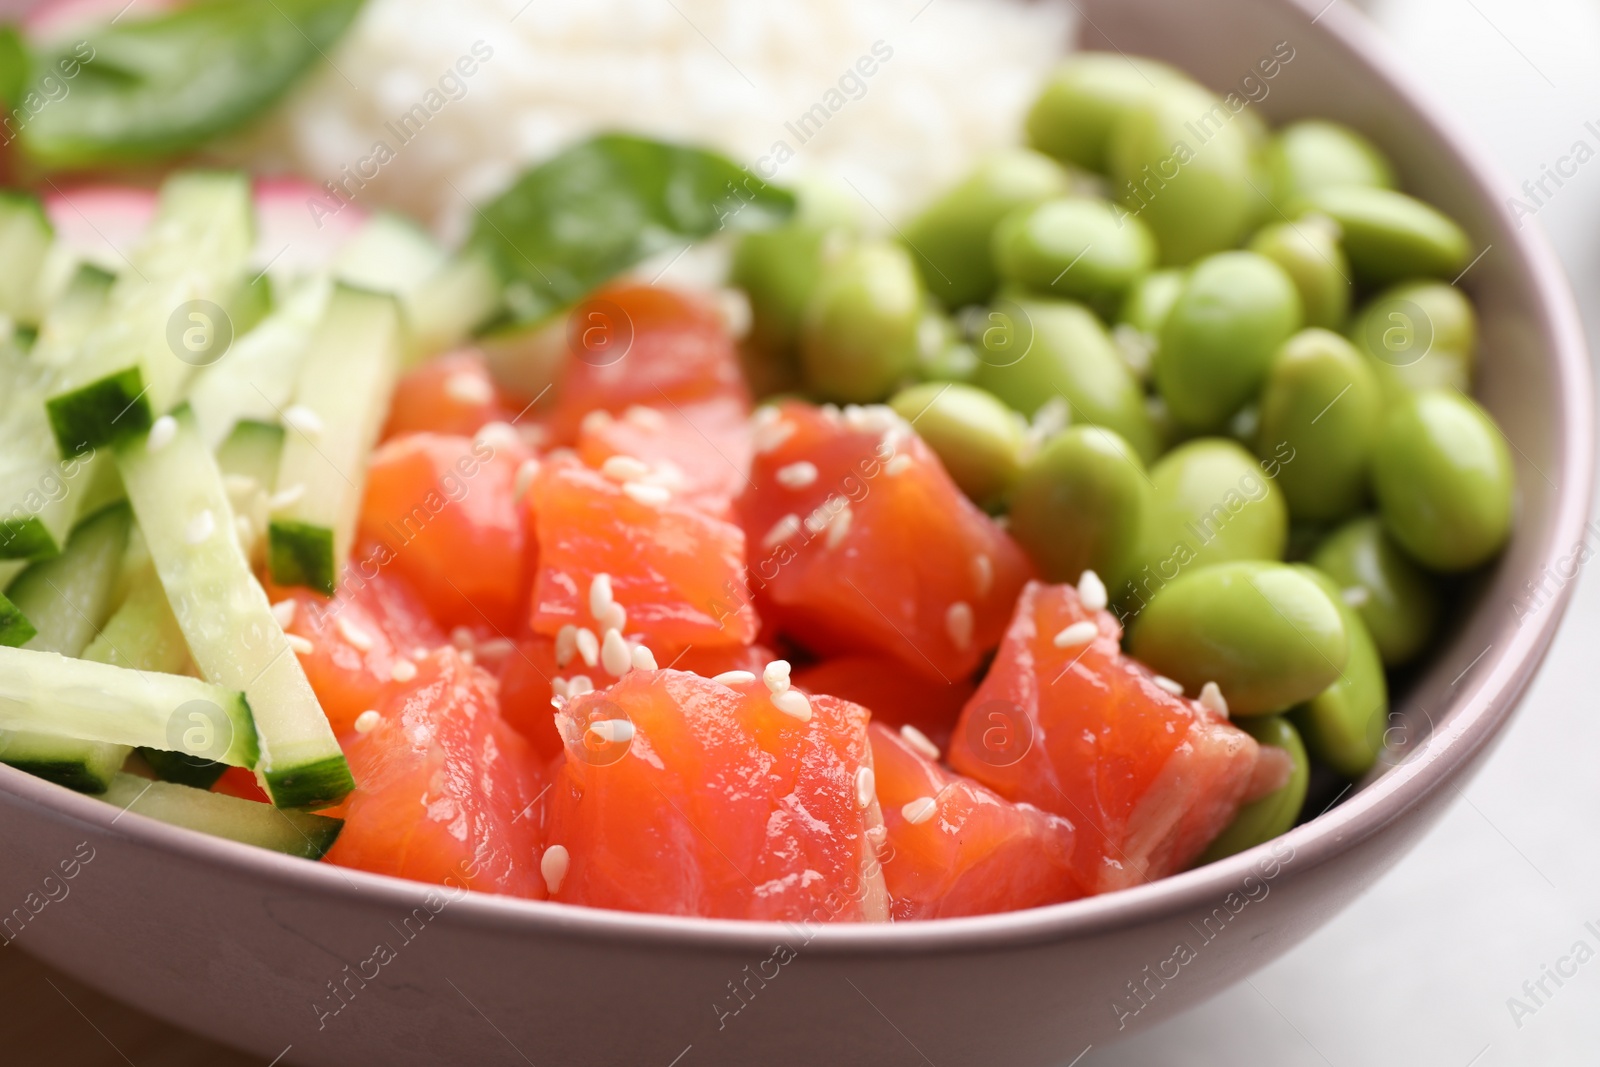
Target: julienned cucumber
[(45, 692), (67, 599), (135, 362), (182, 507), (255, 379), (340, 403), (294, 833), (143, 635), (25, 238), (248, 460), (462, 295), (40, 492)]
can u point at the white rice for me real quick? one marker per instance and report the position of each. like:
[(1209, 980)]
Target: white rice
[(735, 74)]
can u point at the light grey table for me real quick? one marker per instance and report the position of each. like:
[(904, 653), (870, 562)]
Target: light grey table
[(1420, 971)]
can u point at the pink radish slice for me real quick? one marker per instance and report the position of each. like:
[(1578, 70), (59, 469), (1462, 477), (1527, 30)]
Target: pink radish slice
[(300, 226), (54, 19), (102, 223)]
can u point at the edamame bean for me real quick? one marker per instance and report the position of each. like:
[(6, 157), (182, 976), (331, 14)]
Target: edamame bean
[(1323, 401), (1210, 502), (1075, 247), (978, 438), (1274, 814), (943, 353), (1266, 633), (950, 240), (1419, 335), (1442, 476), (1235, 309), (1309, 252), (1033, 349), (1184, 165), (1343, 725), (1150, 299), (1082, 100), (1314, 154), (778, 269), (1388, 235), (1396, 600), (859, 338), (1079, 503)]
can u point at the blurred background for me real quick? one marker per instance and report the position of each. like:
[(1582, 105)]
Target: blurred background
[(1422, 969)]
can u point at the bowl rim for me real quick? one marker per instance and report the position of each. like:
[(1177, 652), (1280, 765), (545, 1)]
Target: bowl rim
[(1472, 720)]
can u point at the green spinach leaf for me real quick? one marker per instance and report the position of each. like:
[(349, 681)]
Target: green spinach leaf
[(601, 206), (149, 88)]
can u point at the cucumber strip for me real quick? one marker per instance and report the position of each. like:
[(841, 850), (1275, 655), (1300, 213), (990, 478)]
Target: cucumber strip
[(294, 833), (391, 254), (67, 598), (135, 363), (342, 398), (45, 692), (252, 451), (25, 239), (182, 507), (15, 629), (248, 460), (463, 295), (182, 769), (39, 491), (143, 635), (255, 379)]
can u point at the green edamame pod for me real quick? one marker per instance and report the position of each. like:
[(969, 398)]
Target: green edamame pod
[(1442, 476), (1266, 633), (1322, 400), (1079, 504), (978, 438), (1314, 154), (1343, 725), (1388, 235), (779, 268), (860, 335), (1235, 309), (1419, 335), (1309, 252), (1033, 349), (1075, 247), (950, 240), (1083, 99), (1150, 299), (1396, 599), (1182, 163), (1210, 502), (1274, 814)]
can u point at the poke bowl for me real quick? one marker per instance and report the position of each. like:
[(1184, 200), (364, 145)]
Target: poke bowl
[(593, 921)]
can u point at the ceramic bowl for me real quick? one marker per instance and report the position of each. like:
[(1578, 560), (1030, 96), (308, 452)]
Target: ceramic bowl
[(335, 967)]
